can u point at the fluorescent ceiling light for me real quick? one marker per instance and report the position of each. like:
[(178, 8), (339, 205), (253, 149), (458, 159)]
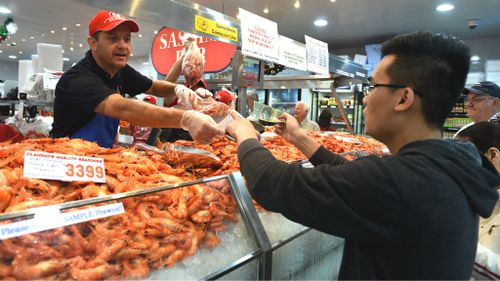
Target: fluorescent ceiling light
[(77, 24), (266, 11), (65, 59), (64, 28), (12, 57), (145, 63), (332, 1), (297, 4), (320, 22), (475, 58), (4, 10), (445, 7)]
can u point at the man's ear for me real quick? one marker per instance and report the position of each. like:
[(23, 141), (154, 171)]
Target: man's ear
[(406, 99), (493, 154), (92, 43)]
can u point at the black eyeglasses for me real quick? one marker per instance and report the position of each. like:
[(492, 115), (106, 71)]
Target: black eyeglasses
[(371, 87)]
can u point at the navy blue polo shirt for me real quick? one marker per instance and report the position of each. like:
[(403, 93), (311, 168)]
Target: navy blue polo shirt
[(81, 89)]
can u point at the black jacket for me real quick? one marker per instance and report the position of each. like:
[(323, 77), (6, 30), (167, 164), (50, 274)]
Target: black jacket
[(409, 216)]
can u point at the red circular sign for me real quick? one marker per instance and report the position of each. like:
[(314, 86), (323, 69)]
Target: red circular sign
[(168, 45)]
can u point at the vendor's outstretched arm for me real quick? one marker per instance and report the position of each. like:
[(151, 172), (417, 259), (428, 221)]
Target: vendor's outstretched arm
[(201, 127)]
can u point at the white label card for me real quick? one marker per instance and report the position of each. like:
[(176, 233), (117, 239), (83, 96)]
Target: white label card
[(259, 37), (49, 218), (54, 166)]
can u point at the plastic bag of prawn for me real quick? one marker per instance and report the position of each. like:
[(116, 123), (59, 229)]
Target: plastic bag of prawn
[(193, 62)]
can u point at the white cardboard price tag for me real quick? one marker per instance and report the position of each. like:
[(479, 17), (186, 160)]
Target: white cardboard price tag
[(54, 166)]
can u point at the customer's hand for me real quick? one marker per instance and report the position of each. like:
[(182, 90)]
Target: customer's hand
[(241, 129), (187, 98), (289, 129), (201, 127)]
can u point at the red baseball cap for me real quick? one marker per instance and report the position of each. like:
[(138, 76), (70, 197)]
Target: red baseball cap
[(108, 20), (225, 96), (150, 99)]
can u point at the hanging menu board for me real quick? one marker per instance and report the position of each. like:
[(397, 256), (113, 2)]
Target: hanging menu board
[(259, 37), (317, 56), (292, 54)]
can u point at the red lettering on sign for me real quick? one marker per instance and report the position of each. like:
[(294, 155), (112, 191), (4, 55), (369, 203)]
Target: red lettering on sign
[(167, 47)]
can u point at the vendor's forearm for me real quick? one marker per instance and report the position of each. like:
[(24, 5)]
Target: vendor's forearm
[(140, 113)]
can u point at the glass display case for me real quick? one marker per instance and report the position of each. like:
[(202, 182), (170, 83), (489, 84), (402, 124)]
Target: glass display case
[(148, 233)]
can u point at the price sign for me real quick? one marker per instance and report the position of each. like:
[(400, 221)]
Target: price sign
[(54, 166)]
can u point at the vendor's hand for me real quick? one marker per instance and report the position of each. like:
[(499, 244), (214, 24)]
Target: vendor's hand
[(201, 127), (203, 93), (187, 99), (289, 129), (241, 129)]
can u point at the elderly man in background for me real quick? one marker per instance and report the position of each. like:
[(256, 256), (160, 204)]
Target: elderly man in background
[(483, 103), (300, 113)]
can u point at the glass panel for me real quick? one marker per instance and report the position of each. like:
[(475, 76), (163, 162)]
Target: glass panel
[(313, 255), (278, 228), (247, 272), (182, 233)]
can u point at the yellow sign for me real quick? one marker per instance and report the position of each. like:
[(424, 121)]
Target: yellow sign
[(214, 28)]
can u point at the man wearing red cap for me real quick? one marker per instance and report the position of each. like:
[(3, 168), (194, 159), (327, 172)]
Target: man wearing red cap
[(90, 96), (225, 96)]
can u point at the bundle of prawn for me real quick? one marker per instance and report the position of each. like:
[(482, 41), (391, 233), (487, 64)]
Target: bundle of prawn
[(157, 229), (192, 65)]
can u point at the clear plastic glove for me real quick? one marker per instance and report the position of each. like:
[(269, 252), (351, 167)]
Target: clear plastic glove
[(201, 127), (187, 99), (203, 93), (289, 129)]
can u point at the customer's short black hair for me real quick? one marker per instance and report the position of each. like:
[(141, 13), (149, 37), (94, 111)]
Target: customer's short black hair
[(483, 134), (434, 65)]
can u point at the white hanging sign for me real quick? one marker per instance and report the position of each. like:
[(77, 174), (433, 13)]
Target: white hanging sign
[(259, 37), (317, 56), (292, 54), (55, 166)]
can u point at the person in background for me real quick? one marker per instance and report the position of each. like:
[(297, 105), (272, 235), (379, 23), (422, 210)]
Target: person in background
[(225, 96), (252, 97), (412, 215), (483, 103), (139, 133), (325, 121), (486, 137), (300, 113), (89, 98)]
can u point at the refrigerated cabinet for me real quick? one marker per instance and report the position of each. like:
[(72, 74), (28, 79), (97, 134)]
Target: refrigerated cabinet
[(261, 245)]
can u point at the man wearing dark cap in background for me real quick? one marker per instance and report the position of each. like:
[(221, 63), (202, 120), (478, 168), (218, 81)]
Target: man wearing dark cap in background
[(483, 103), (90, 96)]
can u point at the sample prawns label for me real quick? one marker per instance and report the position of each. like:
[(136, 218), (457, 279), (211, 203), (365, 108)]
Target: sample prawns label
[(48, 218), (64, 167)]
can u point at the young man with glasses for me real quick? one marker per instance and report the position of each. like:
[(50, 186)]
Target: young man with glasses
[(483, 103), (413, 215)]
